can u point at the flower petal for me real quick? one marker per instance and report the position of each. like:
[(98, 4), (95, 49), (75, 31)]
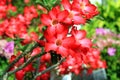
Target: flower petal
[(63, 51), (66, 4), (86, 43), (79, 19), (62, 15), (45, 19), (50, 46)]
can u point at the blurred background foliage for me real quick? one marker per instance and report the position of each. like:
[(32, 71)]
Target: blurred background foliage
[(109, 18)]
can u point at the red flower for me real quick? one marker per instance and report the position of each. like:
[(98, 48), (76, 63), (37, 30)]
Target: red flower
[(58, 42), (80, 37), (88, 10), (54, 19), (74, 13), (30, 13)]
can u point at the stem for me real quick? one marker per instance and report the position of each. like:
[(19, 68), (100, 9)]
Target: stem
[(19, 57), (25, 64), (38, 65), (48, 69)]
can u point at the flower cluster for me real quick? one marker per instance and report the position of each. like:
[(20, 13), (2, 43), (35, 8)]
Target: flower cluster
[(75, 47), (105, 38), (5, 8), (61, 39), (17, 26)]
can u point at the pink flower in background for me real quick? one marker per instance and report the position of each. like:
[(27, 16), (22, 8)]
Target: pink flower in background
[(9, 47), (100, 31), (103, 31), (111, 51)]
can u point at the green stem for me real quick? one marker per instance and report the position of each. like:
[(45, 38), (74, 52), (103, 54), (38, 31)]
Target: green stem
[(24, 65), (48, 69), (19, 57), (38, 65)]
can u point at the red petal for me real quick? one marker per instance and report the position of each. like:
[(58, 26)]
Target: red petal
[(90, 8), (45, 19), (85, 42), (62, 15), (20, 75), (67, 42), (53, 14), (78, 34), (49, 36), (63, 51), (68, 21), (50, 46), (66, 4), (61, 31), (102, 64), (36, 51), (86, 1), (79, 20)]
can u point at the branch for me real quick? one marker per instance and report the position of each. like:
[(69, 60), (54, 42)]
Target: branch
[(38, 65), (48, 69), (19, 57), (23, 65)]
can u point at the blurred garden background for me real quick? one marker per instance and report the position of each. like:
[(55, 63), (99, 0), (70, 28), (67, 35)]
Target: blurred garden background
[(103, 30)]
